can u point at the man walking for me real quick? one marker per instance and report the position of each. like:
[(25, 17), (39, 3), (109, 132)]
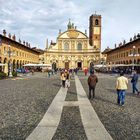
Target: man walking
[(134, 82), (92, 80), (121, 86)]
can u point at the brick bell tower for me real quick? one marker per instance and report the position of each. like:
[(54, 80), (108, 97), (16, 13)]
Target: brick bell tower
[(95, 31)]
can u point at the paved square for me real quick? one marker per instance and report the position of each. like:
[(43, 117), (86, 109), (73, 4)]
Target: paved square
[(24, 101)]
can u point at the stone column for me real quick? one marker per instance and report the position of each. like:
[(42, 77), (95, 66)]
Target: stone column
[(6, 68)]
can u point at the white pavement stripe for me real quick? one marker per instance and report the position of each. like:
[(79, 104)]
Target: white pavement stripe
[(93, 127), (71, 103), (48, 125)]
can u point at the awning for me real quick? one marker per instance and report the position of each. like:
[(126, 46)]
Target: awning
[(37, 65), (30, 65), (2, 64), (44, 65)]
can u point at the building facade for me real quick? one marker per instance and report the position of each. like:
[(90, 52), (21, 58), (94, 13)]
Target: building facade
[(74, 49), (125, 53), (16, 52)]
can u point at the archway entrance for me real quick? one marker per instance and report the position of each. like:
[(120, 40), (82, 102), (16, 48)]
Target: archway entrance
[(79, 65), (14, 65), (0, 66), (54, 66), (66, 65)]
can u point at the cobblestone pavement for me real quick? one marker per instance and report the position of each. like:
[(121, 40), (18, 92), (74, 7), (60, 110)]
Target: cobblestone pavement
[(70, 126), (23, 102), (123, 123)]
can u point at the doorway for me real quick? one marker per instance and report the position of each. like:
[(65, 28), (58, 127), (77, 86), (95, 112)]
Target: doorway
[(54, 66), (66, 65), (79, 65)]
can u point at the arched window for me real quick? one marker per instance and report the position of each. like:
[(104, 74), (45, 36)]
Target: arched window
[(79, 46), (66, 46), (96, 22)]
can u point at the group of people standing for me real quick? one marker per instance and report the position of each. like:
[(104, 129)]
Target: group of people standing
[(121, 86)]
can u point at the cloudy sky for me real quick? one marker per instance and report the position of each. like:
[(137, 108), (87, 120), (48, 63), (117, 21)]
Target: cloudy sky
[(36, 20)]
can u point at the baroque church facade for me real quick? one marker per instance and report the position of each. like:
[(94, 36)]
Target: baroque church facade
[(74, 49)]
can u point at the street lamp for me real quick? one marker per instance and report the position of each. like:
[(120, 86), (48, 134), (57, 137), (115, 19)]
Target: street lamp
[(134, 54), (9, 53), (10, 64), (133, 62)]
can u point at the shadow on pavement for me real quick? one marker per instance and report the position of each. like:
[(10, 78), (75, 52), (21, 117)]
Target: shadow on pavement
[(57, 85), (72, 92), (112, 90), (104, 100)]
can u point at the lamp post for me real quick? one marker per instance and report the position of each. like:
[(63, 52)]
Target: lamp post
[(10, 64), (133, 62)]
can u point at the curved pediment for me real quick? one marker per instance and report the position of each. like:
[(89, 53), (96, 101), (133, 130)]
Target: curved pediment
[(72, 34)]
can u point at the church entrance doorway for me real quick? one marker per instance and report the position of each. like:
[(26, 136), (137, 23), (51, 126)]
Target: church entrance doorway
[(79, 65), (54, 66), (66, 65)]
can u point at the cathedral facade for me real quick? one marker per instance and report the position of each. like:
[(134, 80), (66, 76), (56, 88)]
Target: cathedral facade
[(74, 49)]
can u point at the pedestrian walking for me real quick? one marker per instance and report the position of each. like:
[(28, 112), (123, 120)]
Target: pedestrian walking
[(85, 71), (49, 74), (134, 82), (67, 84), (32, 71), (92, 81), (63, 78), (121, 87)]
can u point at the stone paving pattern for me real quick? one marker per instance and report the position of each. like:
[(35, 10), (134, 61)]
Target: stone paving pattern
[(70, 126), (71, 94), (23, 103), (123, 123)]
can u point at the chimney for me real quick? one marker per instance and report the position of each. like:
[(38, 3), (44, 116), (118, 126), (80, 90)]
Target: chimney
[(4, 32), (19, 40), (124, 42), (120, 44), (9, 35), (14, 37), (27, 44), (23, 42), (135, 37)]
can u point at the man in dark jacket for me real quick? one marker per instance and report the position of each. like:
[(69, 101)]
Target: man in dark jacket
[(134, 82), (92, 80)]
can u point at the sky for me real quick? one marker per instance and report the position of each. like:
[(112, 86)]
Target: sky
[(36, 20)]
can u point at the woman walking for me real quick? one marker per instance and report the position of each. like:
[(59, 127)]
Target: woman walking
[(63, 78)]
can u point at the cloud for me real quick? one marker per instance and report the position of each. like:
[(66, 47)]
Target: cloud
[(35, 20)]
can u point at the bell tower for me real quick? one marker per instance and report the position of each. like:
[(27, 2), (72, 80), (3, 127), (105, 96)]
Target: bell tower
[(95, 31)]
